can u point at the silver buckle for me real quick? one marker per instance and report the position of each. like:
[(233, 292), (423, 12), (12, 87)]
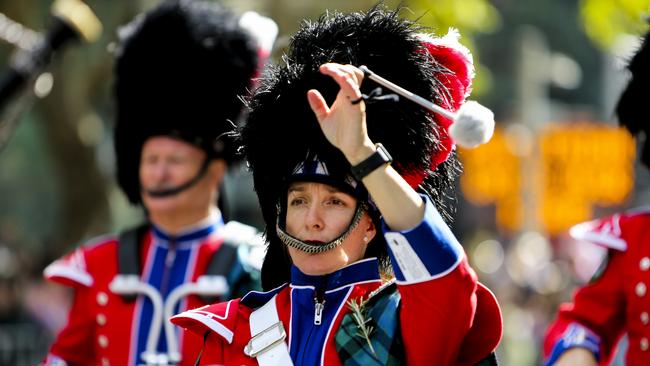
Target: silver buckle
[(265, 340)]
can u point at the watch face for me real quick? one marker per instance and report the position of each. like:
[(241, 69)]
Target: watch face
[(384, 153)]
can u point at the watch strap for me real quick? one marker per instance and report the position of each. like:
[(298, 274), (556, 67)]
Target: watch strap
[(374, 161)]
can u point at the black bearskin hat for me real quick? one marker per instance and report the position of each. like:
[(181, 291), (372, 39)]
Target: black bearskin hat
[(281, 128), (180, 70), (631, 106)]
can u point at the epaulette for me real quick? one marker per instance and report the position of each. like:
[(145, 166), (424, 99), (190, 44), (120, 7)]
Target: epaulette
[(72, 270), (220, 318), (605, 232)]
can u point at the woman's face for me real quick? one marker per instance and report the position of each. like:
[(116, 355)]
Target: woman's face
[(319, 213)]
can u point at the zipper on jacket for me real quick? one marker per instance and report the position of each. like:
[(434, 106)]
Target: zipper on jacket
[(319, 305), (169, 263)]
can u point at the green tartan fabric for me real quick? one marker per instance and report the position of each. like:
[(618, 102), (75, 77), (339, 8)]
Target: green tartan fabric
[(381, 310)]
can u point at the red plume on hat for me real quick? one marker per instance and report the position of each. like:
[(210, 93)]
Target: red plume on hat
[(281, 128), (455, 74)]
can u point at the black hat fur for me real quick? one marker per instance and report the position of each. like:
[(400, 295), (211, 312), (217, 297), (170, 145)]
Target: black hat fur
[(180, 70), (281, 128), (631, 106)]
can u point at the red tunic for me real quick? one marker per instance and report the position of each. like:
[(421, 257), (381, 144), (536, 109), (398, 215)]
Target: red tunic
[(103, 327), (616, 301), (445, 316)]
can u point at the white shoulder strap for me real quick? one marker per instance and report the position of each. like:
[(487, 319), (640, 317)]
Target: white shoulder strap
[(267, 344)]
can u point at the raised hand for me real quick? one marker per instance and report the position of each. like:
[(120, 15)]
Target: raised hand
[(343, 123), (344, 126)]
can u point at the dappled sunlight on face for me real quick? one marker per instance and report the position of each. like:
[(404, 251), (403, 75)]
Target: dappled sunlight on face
[(319, 213)]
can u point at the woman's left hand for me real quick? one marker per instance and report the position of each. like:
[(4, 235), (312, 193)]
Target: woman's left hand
[(343, 123)]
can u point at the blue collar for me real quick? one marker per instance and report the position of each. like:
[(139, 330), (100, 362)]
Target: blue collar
[(193, 233), (361, 271), (255, 299)]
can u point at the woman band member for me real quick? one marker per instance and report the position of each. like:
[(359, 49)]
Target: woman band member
[(343, 216)]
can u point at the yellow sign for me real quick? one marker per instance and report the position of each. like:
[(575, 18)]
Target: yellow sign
[(574, 166), (491, 175), (582, 165)]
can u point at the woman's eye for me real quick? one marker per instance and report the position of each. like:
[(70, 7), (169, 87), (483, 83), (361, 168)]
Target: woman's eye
[(337, 202), (296, 201)]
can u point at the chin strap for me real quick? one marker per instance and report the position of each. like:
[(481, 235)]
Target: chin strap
[(320, 248), (172, 191)]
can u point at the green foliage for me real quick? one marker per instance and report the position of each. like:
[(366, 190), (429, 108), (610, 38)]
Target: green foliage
[(470, 17), (605, 20)]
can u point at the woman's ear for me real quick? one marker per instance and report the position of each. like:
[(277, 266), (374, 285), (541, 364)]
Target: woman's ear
[(371, 230)]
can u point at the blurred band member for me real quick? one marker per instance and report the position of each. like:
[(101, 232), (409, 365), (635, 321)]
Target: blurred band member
[(616, 300), (181, 70)]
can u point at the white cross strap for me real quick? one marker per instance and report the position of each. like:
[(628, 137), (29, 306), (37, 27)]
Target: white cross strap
[(267, 344)]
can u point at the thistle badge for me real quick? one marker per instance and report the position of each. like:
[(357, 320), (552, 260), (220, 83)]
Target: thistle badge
[(359, 314)]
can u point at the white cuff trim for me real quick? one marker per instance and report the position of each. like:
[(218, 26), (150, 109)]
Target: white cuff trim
[(412, 267), (436, 276)]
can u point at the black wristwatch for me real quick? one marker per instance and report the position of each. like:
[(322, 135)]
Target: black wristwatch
[(374, 161)]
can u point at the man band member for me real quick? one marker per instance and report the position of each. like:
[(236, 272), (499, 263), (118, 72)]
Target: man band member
[(616, 301), (180, 71)]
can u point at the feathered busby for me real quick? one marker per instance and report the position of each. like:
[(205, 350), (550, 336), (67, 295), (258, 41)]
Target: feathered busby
[(281, 129), (631, 106), (180, 70)]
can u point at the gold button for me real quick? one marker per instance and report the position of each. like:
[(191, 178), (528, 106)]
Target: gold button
[(645, 318), (644, 264), (102, 298), (644, 344), (101, 319), (105, 362), (103, 341), (640, 289)]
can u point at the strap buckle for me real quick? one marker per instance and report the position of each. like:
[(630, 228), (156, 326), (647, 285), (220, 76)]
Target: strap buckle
[(265, 340)]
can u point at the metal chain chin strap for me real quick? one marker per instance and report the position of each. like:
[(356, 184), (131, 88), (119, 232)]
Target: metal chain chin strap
[(320, 248)]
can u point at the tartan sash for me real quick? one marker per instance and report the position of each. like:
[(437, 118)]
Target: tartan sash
[(381, 310)]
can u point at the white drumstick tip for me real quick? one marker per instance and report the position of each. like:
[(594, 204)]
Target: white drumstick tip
[(473, 123)]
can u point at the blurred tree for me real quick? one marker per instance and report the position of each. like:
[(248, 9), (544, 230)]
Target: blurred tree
[(52, 168), (559, 23), (470, 17), (605, 20)]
